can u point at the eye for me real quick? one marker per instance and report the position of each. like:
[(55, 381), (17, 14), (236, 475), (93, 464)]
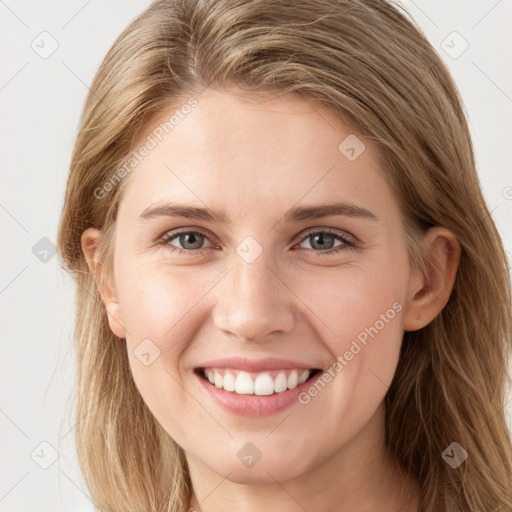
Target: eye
[(189, 240), (324, 240)]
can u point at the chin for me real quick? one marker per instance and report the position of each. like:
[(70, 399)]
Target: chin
[(265, 470)]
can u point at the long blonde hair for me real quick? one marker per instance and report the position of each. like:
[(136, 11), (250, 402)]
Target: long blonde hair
[(369, 63)]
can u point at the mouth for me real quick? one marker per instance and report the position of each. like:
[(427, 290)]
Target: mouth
[(264, 383)]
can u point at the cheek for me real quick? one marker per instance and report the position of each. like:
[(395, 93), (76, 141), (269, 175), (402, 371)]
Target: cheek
[(363, 310), (154, 304), (350, 302), (359, 311), (159, 307), (157, 301)]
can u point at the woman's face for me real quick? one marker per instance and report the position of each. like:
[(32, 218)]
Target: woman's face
[(277, 280)]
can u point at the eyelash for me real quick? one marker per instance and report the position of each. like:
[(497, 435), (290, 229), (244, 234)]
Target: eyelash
[(348, 242)]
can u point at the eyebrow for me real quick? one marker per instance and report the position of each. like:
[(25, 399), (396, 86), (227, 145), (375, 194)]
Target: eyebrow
[(295, 214)]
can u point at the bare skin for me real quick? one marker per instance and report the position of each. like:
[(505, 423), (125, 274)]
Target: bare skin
[(254, 161)]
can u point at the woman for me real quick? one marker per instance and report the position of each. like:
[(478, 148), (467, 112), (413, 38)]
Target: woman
[(364, 370)]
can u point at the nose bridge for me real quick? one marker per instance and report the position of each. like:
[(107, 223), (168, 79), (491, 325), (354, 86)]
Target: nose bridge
[(253, 302)]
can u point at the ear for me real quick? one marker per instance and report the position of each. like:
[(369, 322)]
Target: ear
[(428, 294), (90, 241)]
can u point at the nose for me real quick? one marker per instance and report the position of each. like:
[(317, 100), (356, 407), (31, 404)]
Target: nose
[(254, 302)]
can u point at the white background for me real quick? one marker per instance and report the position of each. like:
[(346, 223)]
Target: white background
[(40, 102)]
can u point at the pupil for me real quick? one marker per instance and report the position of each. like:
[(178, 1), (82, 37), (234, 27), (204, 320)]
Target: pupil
[(187, 239), (321, 237)]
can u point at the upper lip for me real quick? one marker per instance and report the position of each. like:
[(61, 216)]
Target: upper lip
[(255, 365)]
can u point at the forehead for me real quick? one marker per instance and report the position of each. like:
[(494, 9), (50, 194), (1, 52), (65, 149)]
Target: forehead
[(252, 156)]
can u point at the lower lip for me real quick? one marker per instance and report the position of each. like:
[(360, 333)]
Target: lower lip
[(255, 405)]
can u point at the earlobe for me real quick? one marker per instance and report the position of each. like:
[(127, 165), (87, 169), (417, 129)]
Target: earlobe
[(90, 242), (429, 292)]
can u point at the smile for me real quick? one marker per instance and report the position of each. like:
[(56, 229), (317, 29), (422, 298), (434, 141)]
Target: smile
[(256, 383), (255, 387)]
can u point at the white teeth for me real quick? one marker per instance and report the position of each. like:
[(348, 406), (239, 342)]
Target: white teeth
[(244, 384), (293, 379), (281, 383), (262, 384), (229, 382), (303, 377)]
